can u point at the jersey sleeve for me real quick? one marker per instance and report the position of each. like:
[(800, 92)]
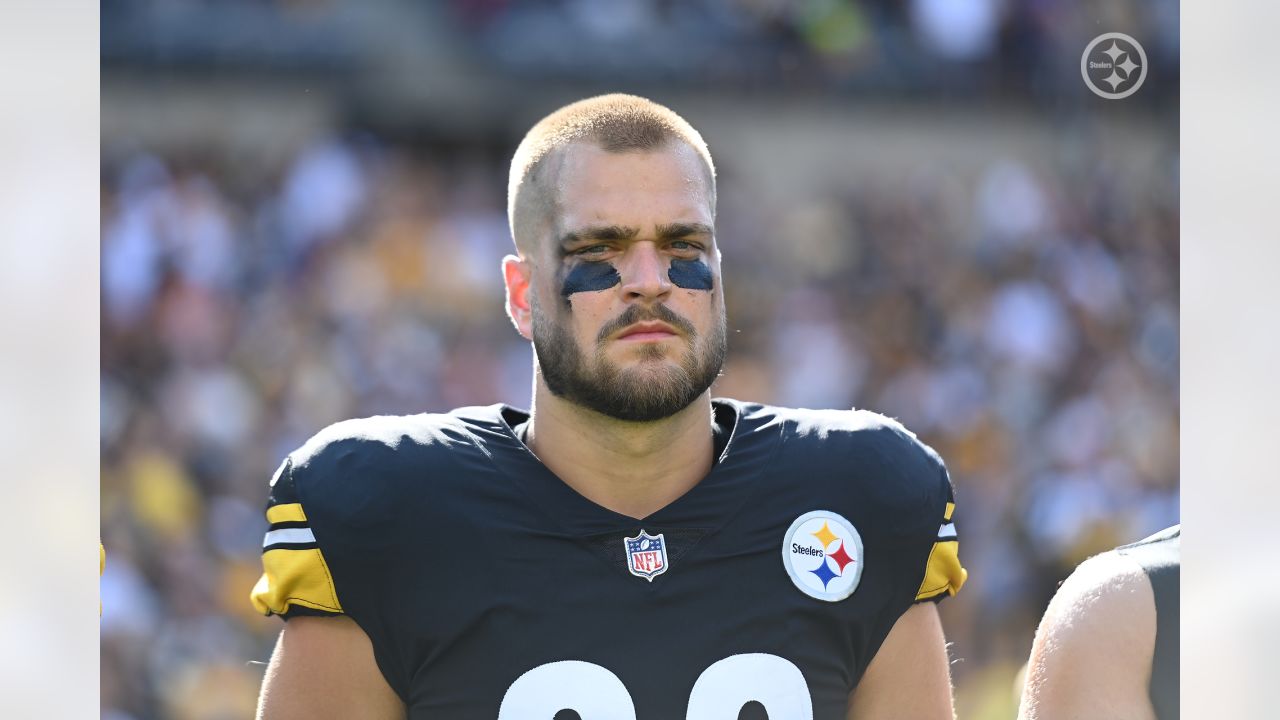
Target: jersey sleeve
[(943, 573), (915, 507), (296, 579), (899, 496)]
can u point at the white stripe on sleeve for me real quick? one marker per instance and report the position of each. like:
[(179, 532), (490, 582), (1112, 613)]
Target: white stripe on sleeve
[(288, 535)]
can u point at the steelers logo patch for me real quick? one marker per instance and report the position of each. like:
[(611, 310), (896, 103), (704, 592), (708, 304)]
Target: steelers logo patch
[(822, 553)]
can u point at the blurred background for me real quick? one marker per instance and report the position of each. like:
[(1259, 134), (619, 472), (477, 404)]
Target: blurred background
[(923, 211)]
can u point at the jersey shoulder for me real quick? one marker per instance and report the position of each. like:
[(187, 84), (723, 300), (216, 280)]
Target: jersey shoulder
[(866, 430), (871, 464), (366, 467), (871, 454), (351, 491), (383, 438)]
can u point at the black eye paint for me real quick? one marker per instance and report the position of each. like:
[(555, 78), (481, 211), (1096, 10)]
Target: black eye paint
[(690, 274), (589, 277)]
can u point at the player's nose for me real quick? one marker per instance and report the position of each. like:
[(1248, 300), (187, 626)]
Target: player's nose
[(644, 275)]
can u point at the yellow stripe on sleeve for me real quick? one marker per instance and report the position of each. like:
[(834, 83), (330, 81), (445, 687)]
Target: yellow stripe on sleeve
[(291, 512), (943, 573), (294, 577), (946, 516)]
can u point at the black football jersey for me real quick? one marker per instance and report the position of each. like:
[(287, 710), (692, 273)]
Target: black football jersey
[(490, 589)]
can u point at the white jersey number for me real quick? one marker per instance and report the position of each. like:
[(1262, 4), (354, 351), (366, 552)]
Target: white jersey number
[(583, 687), (775, 683), (719, 693)]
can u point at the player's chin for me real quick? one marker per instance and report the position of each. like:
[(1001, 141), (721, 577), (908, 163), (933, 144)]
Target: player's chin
[(647, 357), (651, 343), (649, 346)]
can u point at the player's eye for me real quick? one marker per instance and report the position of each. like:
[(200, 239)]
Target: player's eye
[(685, 246), (592, 250)]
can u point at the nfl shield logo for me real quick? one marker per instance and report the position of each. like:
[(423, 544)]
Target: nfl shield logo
[(646, 555)]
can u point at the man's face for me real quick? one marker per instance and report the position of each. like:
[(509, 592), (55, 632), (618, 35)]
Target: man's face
[(627, 300)]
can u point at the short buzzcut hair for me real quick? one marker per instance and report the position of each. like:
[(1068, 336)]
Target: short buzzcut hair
[(616, 123)]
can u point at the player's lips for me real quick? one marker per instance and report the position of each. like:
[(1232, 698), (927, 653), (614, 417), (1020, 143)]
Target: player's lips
[(647, 331)]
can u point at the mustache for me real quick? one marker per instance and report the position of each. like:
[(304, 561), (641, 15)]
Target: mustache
[(644, 313)]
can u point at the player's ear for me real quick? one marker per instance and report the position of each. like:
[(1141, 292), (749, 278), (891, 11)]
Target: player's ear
[(517, 274)]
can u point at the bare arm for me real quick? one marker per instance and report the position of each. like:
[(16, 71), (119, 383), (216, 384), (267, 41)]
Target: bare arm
[(1092, 652), (324, 668), (910, 676)]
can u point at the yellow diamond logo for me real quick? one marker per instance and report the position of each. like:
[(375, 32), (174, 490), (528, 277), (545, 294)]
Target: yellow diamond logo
[(825, 536)]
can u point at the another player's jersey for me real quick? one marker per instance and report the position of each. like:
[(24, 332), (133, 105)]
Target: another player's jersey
[(1160, 556), (490, 589)]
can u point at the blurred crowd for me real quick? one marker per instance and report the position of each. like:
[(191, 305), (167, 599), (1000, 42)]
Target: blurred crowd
[(959, 47), (1023, 322), (956, 48)]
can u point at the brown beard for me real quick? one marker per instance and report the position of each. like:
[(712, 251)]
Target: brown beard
[(599, 385)]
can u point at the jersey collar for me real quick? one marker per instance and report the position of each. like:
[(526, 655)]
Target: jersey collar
[(753, 441)]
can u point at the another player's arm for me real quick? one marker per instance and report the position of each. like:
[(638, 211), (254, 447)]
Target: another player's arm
[(910, 676), (323, 667), (1092, 653)]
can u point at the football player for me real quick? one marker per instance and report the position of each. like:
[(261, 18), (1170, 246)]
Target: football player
[(629, 548), (1108, 644)]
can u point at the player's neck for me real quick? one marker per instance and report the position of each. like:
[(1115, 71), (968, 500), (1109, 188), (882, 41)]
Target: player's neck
[(631, 468)]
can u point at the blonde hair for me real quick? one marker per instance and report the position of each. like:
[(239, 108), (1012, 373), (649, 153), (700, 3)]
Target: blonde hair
[(616, 123)]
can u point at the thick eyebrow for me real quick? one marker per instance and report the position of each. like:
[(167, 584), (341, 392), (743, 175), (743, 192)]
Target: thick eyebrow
[(599, 232), (675, 231), (670, 231)]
